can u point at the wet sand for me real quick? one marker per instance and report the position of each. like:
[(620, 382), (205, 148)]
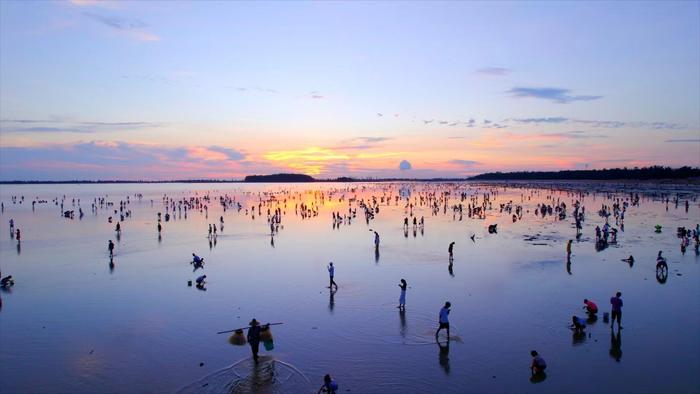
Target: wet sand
[(72, 323)]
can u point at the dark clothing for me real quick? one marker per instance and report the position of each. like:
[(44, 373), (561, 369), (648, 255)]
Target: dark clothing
[(617, 315), (538, 363), (254, 340), (616, 303), (444, 325)]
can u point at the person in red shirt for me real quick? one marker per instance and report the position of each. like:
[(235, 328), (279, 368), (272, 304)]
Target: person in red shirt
[(590, 307)]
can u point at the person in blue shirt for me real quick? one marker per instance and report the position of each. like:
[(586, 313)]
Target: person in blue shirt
[(196, 259), (578, 324), (329, 385), (444, 320)]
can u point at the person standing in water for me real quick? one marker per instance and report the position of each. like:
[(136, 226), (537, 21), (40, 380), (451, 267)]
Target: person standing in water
[(331, 274), (444, 320), (451, 248), (568, 250), (110, 247), (254, 338), (402, 299), (376, 240), (616, 303)]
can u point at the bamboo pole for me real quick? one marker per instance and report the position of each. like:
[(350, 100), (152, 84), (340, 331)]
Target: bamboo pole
[(235, 329)]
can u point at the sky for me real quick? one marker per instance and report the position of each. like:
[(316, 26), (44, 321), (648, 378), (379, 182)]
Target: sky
[(195, 90)]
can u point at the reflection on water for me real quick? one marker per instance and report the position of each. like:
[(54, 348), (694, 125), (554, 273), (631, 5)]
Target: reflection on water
[(139, 327), (444, 356), (616, 344)]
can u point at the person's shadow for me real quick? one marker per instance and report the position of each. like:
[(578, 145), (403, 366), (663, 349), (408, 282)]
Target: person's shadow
[(450, 270), (444, 356), (376, 256), (616, 344)]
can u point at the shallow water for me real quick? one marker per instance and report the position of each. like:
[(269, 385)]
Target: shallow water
[(73, 324)]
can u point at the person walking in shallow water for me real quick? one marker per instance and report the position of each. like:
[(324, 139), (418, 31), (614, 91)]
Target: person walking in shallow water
[(444, 320), (450, 249), (376, 240), (402, 299), (110, 247), (331, 274), (254, 338)]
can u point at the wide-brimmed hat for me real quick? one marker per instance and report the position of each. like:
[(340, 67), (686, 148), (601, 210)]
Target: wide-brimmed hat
[(254, 322)]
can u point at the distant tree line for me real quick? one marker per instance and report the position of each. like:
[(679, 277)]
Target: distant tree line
[(636, 173), (279, 178), (645, 173)]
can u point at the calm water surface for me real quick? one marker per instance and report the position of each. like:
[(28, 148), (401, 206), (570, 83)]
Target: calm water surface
[(73, 324)]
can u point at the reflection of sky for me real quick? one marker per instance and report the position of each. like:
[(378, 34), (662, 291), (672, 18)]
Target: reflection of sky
[(71, 325), (220, 90)]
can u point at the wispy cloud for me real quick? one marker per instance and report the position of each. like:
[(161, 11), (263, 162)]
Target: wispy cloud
[(374, 139), (65, 126), (493, 71), (361, 143), (557, 95), (231, 154), (94, 3), (577, 134), (118, 159), (132, 28), (255, 89), (554, 119), (683, 140), (608, 124), (464, 163)]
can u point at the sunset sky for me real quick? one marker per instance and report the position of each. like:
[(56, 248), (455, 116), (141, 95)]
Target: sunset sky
[(156, 90)]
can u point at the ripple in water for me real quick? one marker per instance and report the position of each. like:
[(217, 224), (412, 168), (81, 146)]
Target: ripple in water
[(268, 376)]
